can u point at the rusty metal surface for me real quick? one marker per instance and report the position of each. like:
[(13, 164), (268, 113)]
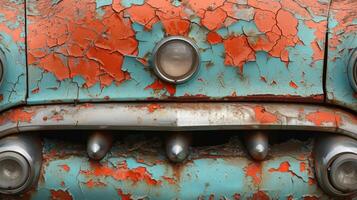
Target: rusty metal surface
[(342, 40), (136, 168), (101, 50), (13, 86), (179, 117)]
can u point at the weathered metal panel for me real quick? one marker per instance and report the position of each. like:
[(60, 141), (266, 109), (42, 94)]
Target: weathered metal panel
[(100, 50), (136, 168), (342, 40), (12, 53)]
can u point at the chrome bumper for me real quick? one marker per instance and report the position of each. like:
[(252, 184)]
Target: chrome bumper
[(179, 117)]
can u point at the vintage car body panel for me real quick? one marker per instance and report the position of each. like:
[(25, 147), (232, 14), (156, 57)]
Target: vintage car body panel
[(251, 50), (100, 50), (216, 172), (13, 87), (342, 42)]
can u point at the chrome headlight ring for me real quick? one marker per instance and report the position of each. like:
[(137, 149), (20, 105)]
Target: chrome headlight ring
[(20, 160), (330, 154), (176, 59), (352, 70)]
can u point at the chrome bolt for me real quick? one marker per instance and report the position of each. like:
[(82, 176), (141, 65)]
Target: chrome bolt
[(257, 144), (177, 147), (98, 145)]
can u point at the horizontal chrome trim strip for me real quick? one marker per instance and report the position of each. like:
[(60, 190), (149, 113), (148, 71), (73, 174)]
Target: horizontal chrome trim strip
[(179, 117)]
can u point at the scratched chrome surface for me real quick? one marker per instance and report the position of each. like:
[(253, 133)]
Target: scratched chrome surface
[(137, 168), (178, 117), (100, 50)]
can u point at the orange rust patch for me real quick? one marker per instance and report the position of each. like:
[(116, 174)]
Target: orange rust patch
[(123, 196), (214, 38), (264, 117), (254, 170), (176, 26), (10, 12), (60, 195), (311, 181), (141, 14), (65, 167), (302, 166), (213, 20), (153, 107), (17, 115), (80, 43), (284, 167), (321, 117), (293, 85), (260, 195), (91, 184), (200, 6), (170, 180), (159, 86), (287, 23), (265, 20), (122, 172), (238, 51)]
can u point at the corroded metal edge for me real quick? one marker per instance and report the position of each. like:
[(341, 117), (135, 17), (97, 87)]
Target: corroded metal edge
[(179, 117)]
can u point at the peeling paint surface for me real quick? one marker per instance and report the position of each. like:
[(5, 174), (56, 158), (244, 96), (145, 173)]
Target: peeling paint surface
[(137, 169), (342, 40), (101, 50), (12, 53)]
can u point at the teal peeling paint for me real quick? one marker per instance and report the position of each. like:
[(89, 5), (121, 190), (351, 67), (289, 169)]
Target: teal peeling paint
[(223, 175), (12, 53), (266, 76), (339, 89)]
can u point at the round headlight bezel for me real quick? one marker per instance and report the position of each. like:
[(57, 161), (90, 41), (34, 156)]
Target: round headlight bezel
[(335, 164), (22, 162), (352, 70), (2, 66), (166, 77)]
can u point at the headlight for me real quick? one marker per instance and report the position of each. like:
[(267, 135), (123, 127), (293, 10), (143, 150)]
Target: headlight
[(336, 165), (343, 173), (352, 70), (176, 59), (14, 170), (20, 163)]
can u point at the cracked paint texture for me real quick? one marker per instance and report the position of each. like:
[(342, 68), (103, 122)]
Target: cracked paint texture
[(138, 169), (101, 50), (342, 40), (12, 53)]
